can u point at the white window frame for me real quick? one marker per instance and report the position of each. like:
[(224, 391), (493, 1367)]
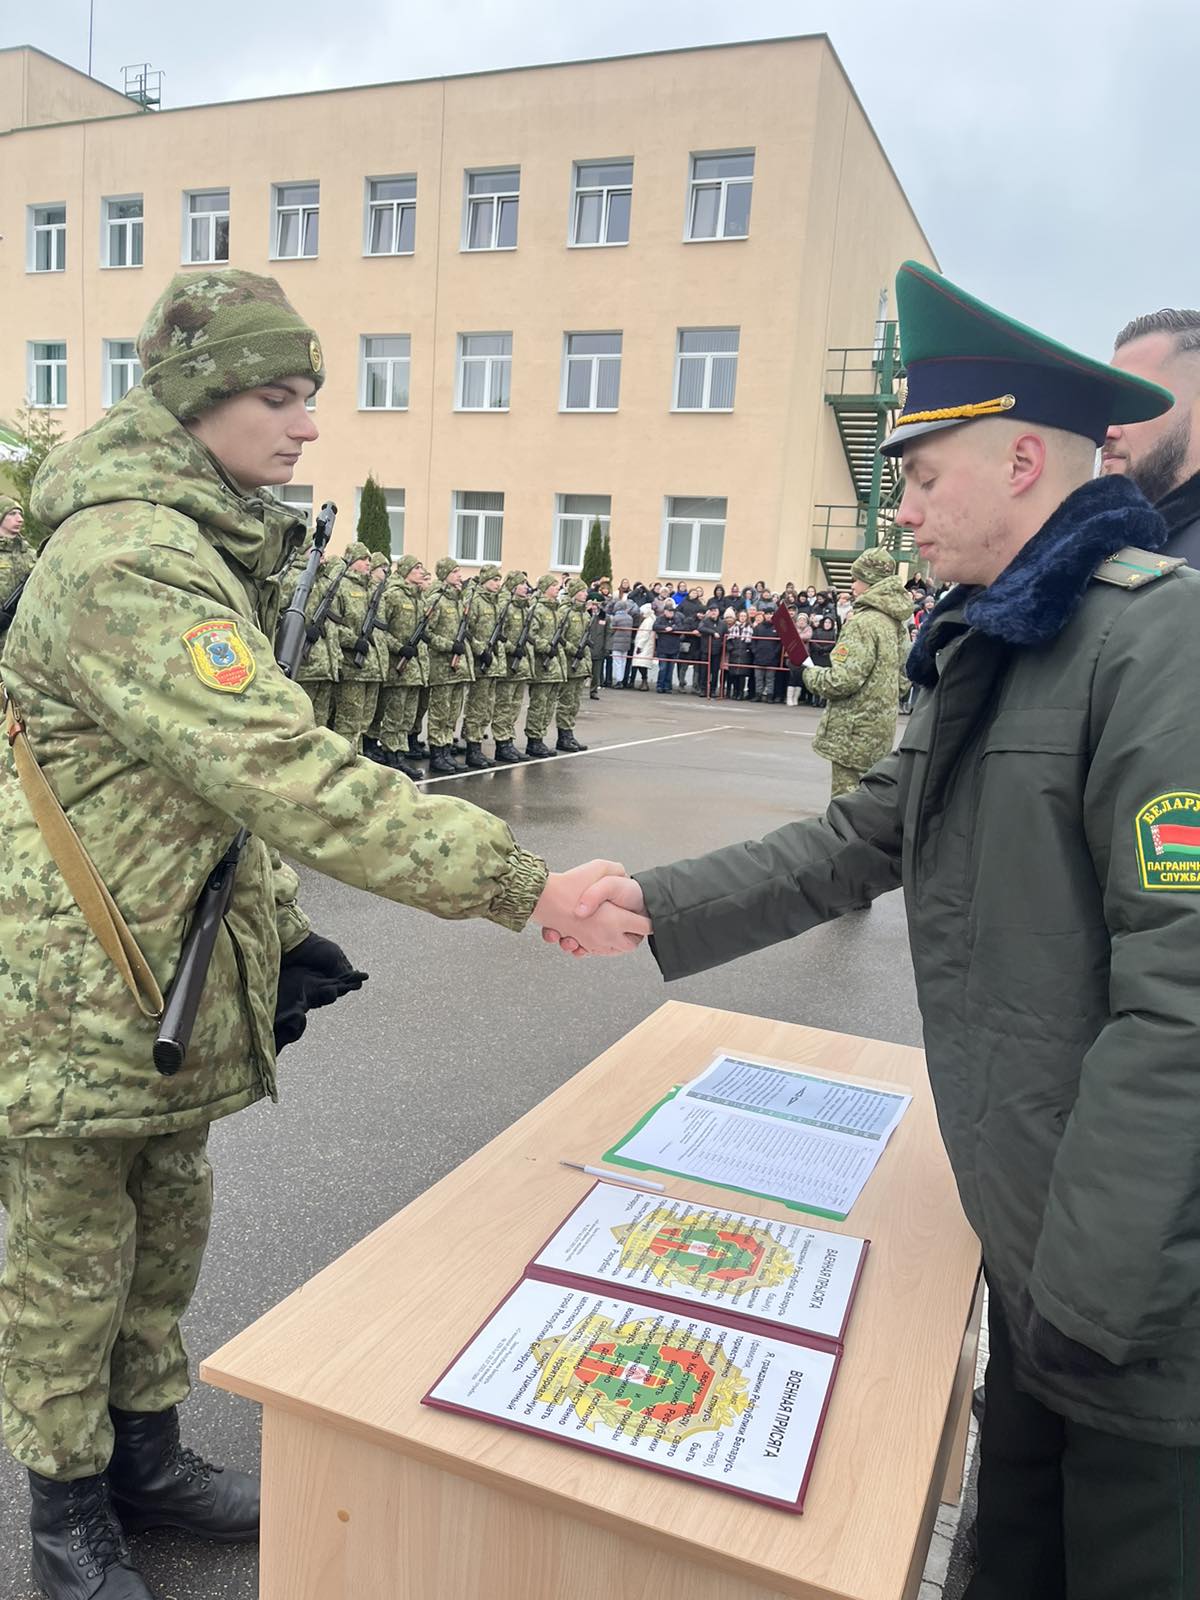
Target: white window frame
[(212, 217), (494, 198), (111, 362), (707, 357), (695, 183), (58, 375), (55, 231), (490, 361), (604, 518), (594, 359), (697, 523), (300, 507), (392, 364), (133, 227), (396, 207), (303, 210), (394, 500), (606, 192), (458, 512)]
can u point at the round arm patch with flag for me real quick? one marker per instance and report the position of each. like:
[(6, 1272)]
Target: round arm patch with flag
[(219, 655)]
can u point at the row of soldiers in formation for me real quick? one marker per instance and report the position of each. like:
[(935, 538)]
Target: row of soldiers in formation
[(390, 646)]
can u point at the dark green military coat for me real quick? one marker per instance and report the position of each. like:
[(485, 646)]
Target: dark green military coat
[(1043, 815)]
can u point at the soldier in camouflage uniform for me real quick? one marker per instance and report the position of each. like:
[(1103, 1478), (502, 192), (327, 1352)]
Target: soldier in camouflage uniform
[(518, 667), (487, 609), (578, 666), (863, 680), (358, 686), (318, 672), (549, 665), (379, 654), (403, 609), (142, 671), (16, 558), (449, 673)]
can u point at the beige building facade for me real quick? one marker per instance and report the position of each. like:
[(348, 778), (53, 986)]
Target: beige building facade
[(605, 289)]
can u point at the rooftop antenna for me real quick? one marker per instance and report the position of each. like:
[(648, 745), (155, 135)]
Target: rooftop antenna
[(91, 31)]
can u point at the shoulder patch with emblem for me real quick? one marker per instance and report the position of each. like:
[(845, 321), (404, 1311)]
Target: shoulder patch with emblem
[(1168, 841), (841, 651), (220, 657), (1131, 568)]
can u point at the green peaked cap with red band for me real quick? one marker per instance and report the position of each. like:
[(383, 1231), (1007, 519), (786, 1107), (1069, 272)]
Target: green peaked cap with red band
[(965, 360)]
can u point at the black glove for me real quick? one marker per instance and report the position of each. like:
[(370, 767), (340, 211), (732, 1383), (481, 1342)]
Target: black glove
[(484, 659), (315, 973), (408, 651), (1049, 1350)]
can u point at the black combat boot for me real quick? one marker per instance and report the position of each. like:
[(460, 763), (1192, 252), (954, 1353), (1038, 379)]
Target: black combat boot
[(416, 750), (535, 749), (441, 761), (568, 744), (79, 1551), (458, 748), (475, 755), (399, 764), (157, 1482), (507, 752)]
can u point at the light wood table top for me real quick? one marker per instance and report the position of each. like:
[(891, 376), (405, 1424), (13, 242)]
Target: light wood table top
[(360, 1344)]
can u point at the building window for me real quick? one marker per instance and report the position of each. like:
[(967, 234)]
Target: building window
[(393, 499), (603, 196), (693, 537), (591, 372), (719, 202), (297, 497), (48, 373), (491, 215), (47, 238), (484, 371), (122, 369), (574, 515), (391, 220), (478, 527), (384, 372), (705, 369), (123, 231), (296, 215), (205, 226)]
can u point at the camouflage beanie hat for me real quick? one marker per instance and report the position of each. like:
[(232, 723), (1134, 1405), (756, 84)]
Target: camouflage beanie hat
[(576, 586), (405, 565), (218, 333), (486, 574), (514, 578), (873, 566), (7, 504), (356, 552), (445, 567), (548, 582)]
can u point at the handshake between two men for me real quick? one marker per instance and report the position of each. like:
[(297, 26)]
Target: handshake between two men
[(593, 910)]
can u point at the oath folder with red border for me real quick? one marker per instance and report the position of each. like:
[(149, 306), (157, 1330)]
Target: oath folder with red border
[(794, 647)]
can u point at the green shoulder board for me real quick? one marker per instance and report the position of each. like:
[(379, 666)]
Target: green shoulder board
[(1131, 568)]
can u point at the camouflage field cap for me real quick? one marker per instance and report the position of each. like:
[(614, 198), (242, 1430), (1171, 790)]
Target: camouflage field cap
[(574, 587), (486, 574), (873, 566), (515, 577), (356, 552), (218, 333), (445, 567), (7, 504), (548, 581), (405, 565)]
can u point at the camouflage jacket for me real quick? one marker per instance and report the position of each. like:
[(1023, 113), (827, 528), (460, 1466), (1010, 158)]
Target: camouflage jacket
[(485, 611), (518, 664), (863, 681), (323, 658), (144, 670), (578, 624), (16, 562), (350, 610), (447, 604), (549, 666), (405, 605)]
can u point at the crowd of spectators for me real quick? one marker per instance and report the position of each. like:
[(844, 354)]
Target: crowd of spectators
[(681, 640)]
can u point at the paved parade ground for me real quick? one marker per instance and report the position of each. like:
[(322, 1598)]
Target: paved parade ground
[(463, 1027)]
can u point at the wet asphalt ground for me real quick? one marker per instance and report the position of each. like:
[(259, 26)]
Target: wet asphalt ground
[(463, 1026)]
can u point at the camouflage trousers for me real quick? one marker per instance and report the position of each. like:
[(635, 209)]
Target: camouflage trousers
[(105, 1239), (509, 694), (480, 709), (842, 779), (396, 714), (543, 702), (567, 710), (354, 709), (320, 692), (445, 708)]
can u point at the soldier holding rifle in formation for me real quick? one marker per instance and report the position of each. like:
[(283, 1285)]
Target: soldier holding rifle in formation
[(546, 630), (578, 667), (488, 611), (518, 663), (450, 663)]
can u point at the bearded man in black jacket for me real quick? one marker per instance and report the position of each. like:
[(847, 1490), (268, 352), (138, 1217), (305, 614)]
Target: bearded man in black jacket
[(1163, 456)]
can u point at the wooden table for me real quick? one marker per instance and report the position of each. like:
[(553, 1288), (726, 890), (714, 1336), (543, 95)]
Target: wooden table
[(368, 1495)]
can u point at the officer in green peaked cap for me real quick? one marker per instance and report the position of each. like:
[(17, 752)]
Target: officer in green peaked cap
[(1042, 816)]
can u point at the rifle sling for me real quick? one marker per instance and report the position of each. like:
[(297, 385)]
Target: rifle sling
[(79, 872)]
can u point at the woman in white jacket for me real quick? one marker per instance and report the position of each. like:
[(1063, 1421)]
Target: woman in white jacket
[(643, 650)]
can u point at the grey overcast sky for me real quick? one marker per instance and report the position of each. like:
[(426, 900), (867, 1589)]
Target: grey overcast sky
[(1049, 149)]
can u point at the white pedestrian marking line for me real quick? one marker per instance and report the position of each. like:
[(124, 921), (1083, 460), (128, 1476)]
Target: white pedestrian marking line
[(572, 755)]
